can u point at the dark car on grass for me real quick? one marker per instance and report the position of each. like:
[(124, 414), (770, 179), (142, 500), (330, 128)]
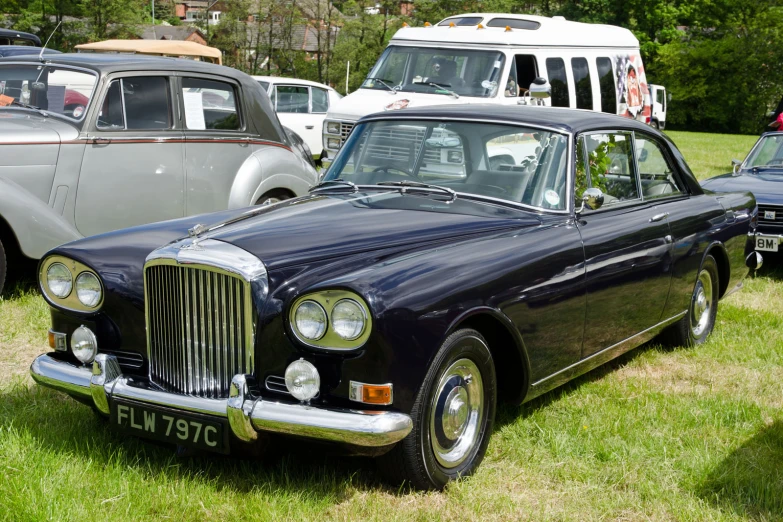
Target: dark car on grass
[(761, 173), (452, 258)]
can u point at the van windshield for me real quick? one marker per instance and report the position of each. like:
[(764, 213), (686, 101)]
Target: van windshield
[(437, 71)]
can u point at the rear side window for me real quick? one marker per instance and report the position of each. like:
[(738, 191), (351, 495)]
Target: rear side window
[(582, 83), (606, 83), (555, 69), (320, 99), (137, 103), (293, 99), (209, 104)]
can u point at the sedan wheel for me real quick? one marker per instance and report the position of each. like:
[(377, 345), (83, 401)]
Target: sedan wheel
[(272, 197), (3, 267), (452, 416), (698, 323)]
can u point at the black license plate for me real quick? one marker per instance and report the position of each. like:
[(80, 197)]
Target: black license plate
[(169, 425)]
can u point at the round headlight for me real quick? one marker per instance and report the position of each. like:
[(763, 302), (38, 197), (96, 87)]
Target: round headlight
[(310, 320), (348, 319), (333, 127), (84, 345), (88, 289), (59, 280), (302, 380)]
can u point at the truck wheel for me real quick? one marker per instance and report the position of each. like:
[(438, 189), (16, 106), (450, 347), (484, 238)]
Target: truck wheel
[(696, 326), (272, 197), (655, 125), (452, 417), (3, 267)]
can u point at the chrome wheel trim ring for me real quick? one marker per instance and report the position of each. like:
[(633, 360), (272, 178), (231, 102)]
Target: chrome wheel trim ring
[(456, 413), (701, 304)]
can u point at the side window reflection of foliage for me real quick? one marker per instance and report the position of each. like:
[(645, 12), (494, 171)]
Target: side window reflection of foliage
[(599, 160)]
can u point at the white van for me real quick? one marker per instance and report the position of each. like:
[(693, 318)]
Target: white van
[(658, 102), (494, 58)]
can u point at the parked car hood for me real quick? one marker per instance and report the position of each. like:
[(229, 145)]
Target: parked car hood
[(322, 226), (28, 127), (766, 185)]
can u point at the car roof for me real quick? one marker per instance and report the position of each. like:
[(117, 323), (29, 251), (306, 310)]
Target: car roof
[(281, 79), (110, 62), (20, 50), (20, 35), (562, 119)]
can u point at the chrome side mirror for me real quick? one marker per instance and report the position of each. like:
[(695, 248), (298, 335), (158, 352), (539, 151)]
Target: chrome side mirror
[(735, 166), (592, 198)]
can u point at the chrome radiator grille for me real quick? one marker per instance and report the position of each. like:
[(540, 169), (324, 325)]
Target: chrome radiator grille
[(345, 130), (199, 328), (771, 215)]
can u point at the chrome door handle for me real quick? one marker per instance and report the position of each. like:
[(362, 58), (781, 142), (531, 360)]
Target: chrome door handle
[(309, 127), (97, 139), (659, 217)]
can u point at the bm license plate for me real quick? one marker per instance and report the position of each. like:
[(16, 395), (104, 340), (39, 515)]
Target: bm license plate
[(766, 243), (168, 425)]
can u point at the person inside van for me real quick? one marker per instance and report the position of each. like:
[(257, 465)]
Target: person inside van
[(445, 73)]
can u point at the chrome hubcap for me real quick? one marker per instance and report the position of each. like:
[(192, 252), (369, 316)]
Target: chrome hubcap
[(701, 305), (270, 201), (457, 409)]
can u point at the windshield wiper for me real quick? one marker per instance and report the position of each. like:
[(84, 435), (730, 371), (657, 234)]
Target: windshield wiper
[(383, 82), (32, 107), (334, 183), (404, 185), (441, 86)]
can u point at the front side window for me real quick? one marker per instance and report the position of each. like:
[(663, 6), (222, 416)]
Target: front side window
[(513, 163), (293, 99), (56, 90), (320, 99), (584, 87), (209, 104), (555, 68), (608, 165), (437, 71), (137, 103), (655, 172)]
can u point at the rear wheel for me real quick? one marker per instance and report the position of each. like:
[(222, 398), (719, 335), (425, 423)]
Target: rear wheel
[(3, 267), (452, 417), (656, 125), (272, 197), (696, 326)]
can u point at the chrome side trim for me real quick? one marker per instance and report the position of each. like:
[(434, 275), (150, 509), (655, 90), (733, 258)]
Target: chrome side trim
[(597, 359), (246, 415)]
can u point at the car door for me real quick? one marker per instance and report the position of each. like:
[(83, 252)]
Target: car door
[(132, 170), (217, 140), (302, 109), (627, 243)]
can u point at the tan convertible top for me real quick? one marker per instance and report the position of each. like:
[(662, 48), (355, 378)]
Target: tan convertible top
[(175, 48)]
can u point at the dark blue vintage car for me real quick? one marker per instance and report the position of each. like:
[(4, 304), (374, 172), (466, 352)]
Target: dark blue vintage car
[(452, 258), (762, 174)]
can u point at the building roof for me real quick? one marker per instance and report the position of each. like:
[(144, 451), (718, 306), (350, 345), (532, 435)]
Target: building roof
[(169, 32), (540, 31)]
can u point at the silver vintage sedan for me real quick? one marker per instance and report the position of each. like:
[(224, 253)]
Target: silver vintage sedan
[(91, 143)]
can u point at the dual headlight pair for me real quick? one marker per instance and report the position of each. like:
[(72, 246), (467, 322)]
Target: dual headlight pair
[(332, 319), (335, 128), (71, 284)]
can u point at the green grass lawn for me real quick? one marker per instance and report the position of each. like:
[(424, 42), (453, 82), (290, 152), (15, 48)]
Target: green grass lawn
[(683, 434)]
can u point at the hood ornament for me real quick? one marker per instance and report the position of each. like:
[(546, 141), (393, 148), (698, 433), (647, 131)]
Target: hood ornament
[(197, 230)]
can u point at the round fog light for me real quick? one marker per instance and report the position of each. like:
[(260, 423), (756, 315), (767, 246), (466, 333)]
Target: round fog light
[(84, 345), (302, 380)]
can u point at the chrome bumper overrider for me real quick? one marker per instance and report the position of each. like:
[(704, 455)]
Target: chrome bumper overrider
[(246, 416)]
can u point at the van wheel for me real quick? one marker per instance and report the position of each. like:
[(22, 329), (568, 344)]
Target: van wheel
[(696, 326), (272, 197), (655, 125), (452, 417), (3, 267)]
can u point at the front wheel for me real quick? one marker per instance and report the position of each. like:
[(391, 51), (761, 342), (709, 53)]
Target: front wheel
[(452, 416), (697, 324)]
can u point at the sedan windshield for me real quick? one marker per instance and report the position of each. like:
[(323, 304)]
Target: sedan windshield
[(49, 88), (767, 153), (514, 163), (437, 71)]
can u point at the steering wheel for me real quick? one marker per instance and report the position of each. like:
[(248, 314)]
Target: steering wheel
[(391, 168)]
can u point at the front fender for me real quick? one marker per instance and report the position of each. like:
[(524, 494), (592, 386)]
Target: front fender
[(270, 168), (37, 227)]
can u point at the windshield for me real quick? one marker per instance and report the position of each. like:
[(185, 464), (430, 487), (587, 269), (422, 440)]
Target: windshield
[(513, 163), (767, 153), (437, 71), (53, 89)]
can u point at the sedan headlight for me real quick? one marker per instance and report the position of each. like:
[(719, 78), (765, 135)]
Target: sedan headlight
[(88, 289), (59, 280), (333, 127), (331, 319), (70, 285)]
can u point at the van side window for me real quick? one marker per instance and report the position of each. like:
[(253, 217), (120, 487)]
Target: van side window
[(555, 69), (582, 83), (606, 82), (527, 71)]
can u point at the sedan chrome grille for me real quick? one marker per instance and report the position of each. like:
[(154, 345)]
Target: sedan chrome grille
[(200, 328), (771, 215)]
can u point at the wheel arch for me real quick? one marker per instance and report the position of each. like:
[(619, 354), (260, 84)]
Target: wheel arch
[(718, 251), (512, 364)]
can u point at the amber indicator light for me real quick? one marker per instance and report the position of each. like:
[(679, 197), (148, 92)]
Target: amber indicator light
[(376, 394), (51, 340)]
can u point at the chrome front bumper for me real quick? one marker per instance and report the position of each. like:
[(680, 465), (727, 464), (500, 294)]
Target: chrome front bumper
[(246, 416)]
